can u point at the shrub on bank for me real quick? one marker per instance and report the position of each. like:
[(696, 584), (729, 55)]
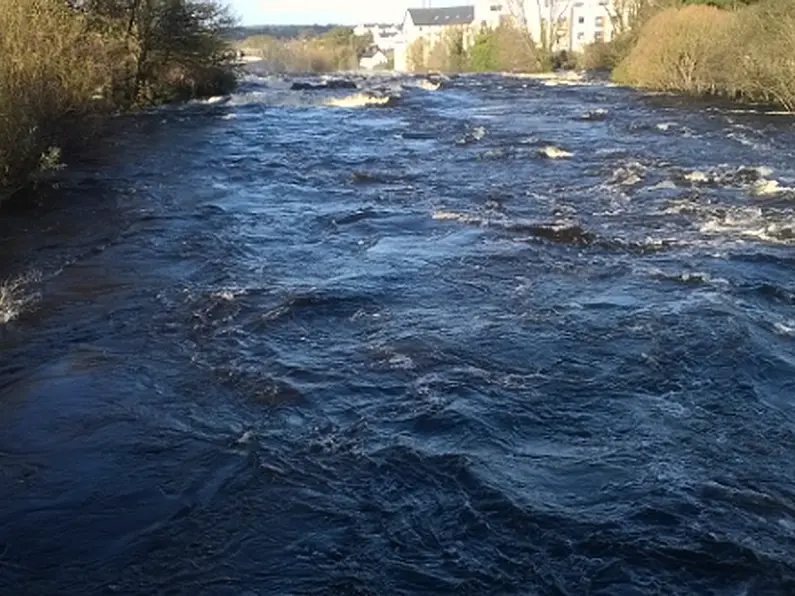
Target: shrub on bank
[(60, 67), (747, 53), (605, 56), (763, 53), (504, 49), (52, 69), (680, 50), (450, 53)]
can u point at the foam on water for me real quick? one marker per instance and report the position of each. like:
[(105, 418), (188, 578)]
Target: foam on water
[(360, 100), (426, 85), (697, 177), (749, 223), (465, 218), (786, 328), (685, 277), (631, 173), (553, 152), (473, 135), (767, 188), (216, 99), (17, 297)]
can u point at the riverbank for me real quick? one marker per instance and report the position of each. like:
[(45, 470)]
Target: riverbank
[(64, 70), (744, 54)]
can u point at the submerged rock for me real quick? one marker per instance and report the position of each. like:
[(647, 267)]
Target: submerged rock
[(331, 84), (429, 85), (597, 115)]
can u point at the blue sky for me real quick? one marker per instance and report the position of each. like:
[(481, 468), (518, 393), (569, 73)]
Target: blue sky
[(300, 12)]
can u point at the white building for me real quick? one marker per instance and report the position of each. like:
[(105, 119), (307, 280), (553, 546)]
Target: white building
[(571, 24), (590, 22), (373, 59), (385, 35), (431, 25)]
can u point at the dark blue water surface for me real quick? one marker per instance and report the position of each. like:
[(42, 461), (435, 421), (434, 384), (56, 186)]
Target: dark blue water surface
[(274, 346)]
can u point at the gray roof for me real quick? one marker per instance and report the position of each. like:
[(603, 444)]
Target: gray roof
[(371, 52), (453, 15)]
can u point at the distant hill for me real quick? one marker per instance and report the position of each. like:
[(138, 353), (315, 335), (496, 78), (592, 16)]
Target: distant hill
[(278, 31)]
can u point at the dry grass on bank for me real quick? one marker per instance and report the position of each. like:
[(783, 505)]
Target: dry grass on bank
[(51, 67)]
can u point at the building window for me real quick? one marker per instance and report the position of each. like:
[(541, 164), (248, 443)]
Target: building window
[(599, 36), (580, 36), (581, 20), (600, 21), (496, 8)]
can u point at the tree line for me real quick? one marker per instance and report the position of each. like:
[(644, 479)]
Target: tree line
[(63, 63), (337, 49)]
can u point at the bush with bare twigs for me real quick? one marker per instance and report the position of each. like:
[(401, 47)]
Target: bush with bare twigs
[(762, 57), (680, 50), (746, 53)]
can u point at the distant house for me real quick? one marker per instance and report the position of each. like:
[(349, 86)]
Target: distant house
[(385, 35), (572, 23), (589, 22), (388, 39), (373, 59)]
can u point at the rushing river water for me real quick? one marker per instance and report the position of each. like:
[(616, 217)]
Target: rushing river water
[(510, 336)]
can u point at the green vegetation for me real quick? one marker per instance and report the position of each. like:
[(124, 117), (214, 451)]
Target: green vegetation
[(746, 53), (504, 49), (236, 34), (450, 54), (62, 64), (334, 50)]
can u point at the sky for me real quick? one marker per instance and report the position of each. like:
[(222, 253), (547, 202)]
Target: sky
[(307, 12)]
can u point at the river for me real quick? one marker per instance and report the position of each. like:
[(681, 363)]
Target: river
[(510, 336)]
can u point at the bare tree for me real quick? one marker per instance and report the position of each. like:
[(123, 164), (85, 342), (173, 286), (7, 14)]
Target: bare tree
[(549, 19), (626, 15)]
